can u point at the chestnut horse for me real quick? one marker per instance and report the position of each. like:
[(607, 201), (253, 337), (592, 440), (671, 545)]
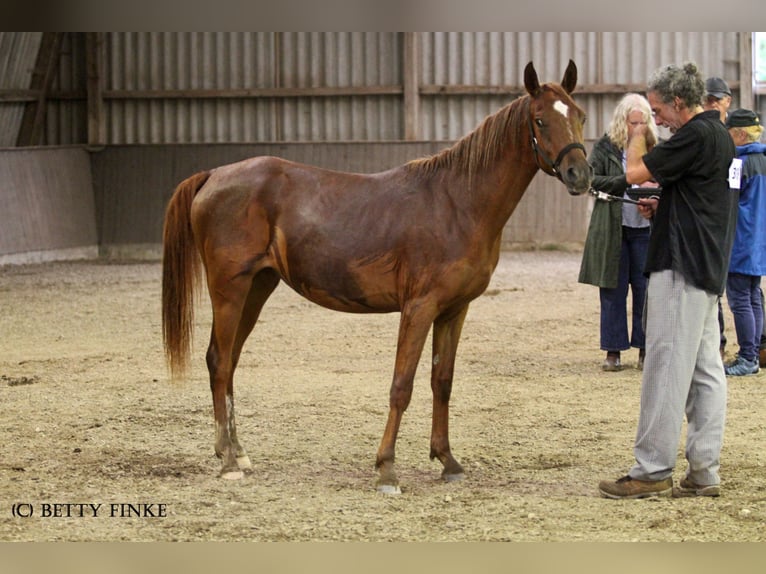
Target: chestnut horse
[(421, 239)]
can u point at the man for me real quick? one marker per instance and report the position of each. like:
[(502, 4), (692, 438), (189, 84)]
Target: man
[(687, 262), (718, 97)]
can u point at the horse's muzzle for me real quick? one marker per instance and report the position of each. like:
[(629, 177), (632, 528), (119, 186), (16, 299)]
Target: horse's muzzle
[(577, 177)]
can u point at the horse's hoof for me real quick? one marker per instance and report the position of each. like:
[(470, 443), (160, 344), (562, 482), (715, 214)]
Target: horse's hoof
[(232, 475), (389, 489), (453, 477), (243, 462)]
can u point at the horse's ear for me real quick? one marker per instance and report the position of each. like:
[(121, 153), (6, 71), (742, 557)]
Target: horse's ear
[(570, 78), (531, 83)]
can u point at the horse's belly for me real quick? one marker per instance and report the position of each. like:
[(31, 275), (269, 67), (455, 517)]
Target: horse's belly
[(343, 285), (351, 300)]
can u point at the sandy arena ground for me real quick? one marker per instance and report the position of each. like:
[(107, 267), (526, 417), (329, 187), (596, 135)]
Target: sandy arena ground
[(90, 418)]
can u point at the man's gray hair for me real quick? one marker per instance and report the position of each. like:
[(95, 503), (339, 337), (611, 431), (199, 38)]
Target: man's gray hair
[(683, 82)]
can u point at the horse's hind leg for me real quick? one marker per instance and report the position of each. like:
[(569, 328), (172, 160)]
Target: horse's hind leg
[(263, 286), (446, 336), (234, 316)]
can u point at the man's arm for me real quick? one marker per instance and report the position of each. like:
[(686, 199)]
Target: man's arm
[(637, 171)]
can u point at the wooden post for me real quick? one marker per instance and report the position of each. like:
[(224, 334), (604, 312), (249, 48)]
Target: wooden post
[(94, 64), (277, 133), (32, 129), (411, 90), (746, 70)]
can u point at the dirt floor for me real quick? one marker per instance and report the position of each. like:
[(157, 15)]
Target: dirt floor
[(89, 417)]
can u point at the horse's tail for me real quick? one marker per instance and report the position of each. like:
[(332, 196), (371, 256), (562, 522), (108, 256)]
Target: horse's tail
[(180, 272)]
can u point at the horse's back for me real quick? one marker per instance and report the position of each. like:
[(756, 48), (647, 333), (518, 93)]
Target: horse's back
[(315, 227)]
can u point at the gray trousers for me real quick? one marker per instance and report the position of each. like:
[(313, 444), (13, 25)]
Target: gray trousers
[(683, 375)]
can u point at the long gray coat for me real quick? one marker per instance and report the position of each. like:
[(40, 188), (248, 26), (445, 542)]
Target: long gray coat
[(601, 256)]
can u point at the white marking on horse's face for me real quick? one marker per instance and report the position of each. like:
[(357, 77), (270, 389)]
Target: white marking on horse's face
[(561, 107)]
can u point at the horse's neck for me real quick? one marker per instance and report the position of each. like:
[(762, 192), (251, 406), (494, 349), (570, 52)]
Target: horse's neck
[(495, 191)]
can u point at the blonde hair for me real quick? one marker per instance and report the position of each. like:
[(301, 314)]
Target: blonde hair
[(618, 127), (752, 133)]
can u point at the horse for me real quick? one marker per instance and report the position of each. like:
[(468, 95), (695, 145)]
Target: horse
[(421, 239)]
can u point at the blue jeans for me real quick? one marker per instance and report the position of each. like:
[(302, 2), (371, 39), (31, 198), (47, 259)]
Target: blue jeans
[(744, 295), (614, 316)]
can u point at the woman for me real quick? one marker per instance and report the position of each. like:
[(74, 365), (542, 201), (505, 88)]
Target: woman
[(748, 255), (618, 237)]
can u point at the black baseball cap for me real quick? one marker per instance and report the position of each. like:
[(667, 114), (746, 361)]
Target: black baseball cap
[(717, 87), (742, 118)]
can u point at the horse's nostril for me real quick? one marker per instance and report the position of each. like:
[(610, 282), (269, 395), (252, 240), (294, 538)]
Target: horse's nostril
[(575, 173), (572, 175)]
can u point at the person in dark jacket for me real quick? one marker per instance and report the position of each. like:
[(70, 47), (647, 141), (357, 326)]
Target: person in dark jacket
[(748, 255), (718, 97), (618, 237)]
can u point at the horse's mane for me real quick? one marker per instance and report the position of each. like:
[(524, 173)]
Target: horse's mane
[(482, 146)]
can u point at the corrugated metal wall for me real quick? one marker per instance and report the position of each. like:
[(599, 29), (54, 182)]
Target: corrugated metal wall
[(237, 61), (340, 59), (602, 58), (490, 59), (264, 92), (242, 61)]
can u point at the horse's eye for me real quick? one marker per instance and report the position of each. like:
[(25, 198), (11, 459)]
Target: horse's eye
[(539, 122)]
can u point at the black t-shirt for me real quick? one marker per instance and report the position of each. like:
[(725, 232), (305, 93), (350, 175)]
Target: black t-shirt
[(693, 228)]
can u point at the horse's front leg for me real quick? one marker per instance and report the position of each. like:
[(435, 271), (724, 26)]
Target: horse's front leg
[(446, 336), (415, 322)]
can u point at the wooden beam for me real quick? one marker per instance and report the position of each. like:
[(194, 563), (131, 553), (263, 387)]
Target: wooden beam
[(411, 57), (16, 95), (320, 92), (500, 90), (746, 79), (32, 129), (94, 64)]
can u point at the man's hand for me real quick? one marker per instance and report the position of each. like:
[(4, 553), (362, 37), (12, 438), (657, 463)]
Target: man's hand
[(647, 206)]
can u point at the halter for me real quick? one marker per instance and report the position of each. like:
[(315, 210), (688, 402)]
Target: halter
[(552, 165)]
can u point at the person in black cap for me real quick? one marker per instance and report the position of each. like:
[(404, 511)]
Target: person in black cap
[(717, 96), (748, 256)]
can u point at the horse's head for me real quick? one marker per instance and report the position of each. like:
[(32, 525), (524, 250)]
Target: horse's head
[(555, 128)]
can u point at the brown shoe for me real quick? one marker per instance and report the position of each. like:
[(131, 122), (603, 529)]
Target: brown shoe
[(612, 362), (641, 357), (687, 488), (628, 487), (762, 358)]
